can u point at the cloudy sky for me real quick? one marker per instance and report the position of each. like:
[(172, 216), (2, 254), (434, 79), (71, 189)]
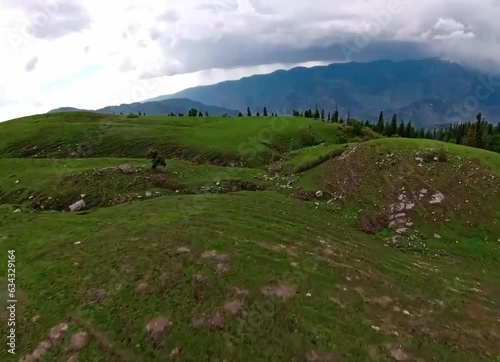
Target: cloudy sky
[(93, 53)]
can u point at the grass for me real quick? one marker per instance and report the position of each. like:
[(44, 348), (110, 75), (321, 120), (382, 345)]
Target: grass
[(123, 246), (250, 141), (215, 263)]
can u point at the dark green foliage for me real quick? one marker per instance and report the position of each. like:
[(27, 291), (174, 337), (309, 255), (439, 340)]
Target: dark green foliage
[(249, 114), (156, 159), (132, 115), (200, 114), (308, 136), (265, 112), (240, 114), (193, 112)]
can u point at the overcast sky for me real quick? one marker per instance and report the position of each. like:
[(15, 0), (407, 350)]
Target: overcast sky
[(93, 53)]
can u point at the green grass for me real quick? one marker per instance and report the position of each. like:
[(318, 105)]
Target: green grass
[(251, 141), (112, 268), (124, 245)]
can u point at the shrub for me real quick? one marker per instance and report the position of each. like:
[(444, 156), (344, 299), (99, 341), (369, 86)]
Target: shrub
[(307, 136), (442, 155), (156, 159), (132, 115)]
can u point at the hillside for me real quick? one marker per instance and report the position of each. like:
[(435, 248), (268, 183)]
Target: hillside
[(363, 88), (263, 239), (164, 107)]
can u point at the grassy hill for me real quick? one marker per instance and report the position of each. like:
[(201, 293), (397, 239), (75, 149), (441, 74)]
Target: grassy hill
[(228, 254)]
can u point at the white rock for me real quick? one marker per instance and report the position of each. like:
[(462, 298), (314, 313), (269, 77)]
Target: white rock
[(30, 198), (406, 312), (82, 195), (218, 183), (17, 181), (148, 194), (77, 206), (78, 242), (401, 231), (17, 211), (126, 168), (319, 194), (437, 236), (419, 159), (437, 198)]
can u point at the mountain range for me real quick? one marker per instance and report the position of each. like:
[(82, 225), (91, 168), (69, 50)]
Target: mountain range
[(165, 106), (424, 91)]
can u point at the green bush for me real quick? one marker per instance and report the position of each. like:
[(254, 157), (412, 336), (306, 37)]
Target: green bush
[(156, 159)]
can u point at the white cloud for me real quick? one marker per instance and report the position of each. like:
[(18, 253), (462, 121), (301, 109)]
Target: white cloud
[(127, 42)]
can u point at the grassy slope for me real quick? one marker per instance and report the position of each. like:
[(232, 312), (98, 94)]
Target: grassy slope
[(252, 141), (355, 298), (354, 284)]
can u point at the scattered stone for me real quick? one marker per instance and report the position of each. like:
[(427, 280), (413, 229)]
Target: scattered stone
[(16, 211), (405, 312), (30, 198), (402, 231), (126, 168), (175, 352), (79, 341), (419, 159), (148, 194), (437, 198), (142, 288), (376, 328), (183, 250), (308, 294), (17, 181), (78, 242), (222, 268), (319, 194), (437, 236), (77, 206), (217, 321), (82, 195)]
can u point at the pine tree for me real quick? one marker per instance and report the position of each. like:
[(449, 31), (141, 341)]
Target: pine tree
[(265, 112), (200, 114), (409, 130), (240, 114), (258, 114), (401, 129), (394, 125), (336, 115), (206, 114), (329, 117), (479, 128), (249, 114), (381, 123), (322, 114), (316, 114)]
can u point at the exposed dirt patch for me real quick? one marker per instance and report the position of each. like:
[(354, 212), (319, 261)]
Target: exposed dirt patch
[(97, 294), (72, 358), (370, 224), (222, 268), (142, 288), (79, 341), (234, 307), (166, 181), (57, 332), (373, 353), (157, 329), (398, 353), (217, 320), (201, 286), (214, 255), (283, 291), (314, 356)]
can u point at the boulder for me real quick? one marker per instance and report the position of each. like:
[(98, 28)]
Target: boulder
[(126, 168), (319, 194), (77, 206)]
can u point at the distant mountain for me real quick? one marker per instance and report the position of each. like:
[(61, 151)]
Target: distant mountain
[(166, 106), (423, 91)]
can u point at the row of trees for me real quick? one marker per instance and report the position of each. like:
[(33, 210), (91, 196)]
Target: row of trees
[(480, 133)]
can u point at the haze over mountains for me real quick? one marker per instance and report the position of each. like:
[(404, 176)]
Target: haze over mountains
[(427, 92)]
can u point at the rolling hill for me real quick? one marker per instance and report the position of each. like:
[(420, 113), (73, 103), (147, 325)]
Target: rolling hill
[(363, 88)]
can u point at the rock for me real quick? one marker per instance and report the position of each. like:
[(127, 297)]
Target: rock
[(437, 198), (82, 195), (17, 181), (401, 231), (217, 183), (17, 211), (436, 158), (148, 194), (419, 159), (126, 168), (437, 236), (30, 198), (77, 206), (319, 194)]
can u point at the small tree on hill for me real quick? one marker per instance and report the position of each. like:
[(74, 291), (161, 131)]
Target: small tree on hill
[(240, 114), (265, 112), (258, 114), (249, 114), (156, 159), (381, 123), (206, 114), (200, 114)]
